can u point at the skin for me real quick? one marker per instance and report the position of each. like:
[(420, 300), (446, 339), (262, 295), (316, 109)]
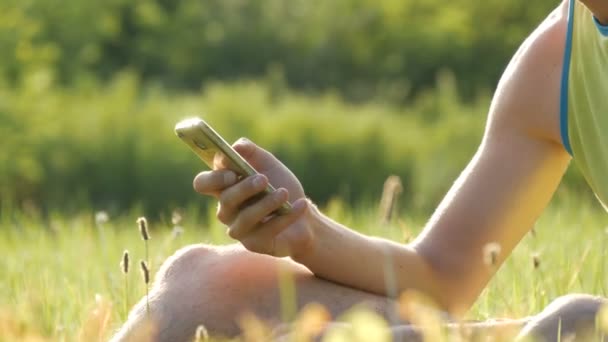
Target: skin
[(520, 160), (599, 9)]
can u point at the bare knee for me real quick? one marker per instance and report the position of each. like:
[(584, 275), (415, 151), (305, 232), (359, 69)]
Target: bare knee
[(213, 286), (184, 265), (206, 285), (178, 300), (571, 315)]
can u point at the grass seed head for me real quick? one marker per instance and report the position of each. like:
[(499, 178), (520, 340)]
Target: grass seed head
[(125, 262), (491, 251), (145, 271), (176, 217), (536, 260), (393, 187), (201, 334), (143, 228), (533, 232), (101, 217)]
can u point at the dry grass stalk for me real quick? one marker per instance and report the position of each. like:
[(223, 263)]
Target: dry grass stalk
[(142, 223), (491, 258), (201, 334), (124, 264), (536, 260), (408, 236), (602, 320), (125, 271), (101, 218), (176, 217), (491, 253), (254, 330), (176, 232), (422, 312), (96, 325), (311, 322), (145, 271), (388, 202), (533, 232)]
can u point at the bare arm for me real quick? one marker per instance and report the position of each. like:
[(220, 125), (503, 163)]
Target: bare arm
[(496, 199)]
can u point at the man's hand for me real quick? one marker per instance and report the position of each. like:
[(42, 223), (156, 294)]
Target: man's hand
[(248, 216)]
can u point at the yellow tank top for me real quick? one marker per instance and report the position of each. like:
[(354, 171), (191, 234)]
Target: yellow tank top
[(584, 97)]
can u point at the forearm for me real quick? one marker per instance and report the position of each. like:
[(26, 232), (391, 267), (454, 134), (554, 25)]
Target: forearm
[(371, 264)]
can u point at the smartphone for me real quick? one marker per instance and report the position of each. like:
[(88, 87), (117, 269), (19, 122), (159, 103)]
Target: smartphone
[(207, 143)]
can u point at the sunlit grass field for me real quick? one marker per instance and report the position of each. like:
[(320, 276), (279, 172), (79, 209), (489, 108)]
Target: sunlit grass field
[(62, 280)]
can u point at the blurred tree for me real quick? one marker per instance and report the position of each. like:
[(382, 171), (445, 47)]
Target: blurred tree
[(360, 47)]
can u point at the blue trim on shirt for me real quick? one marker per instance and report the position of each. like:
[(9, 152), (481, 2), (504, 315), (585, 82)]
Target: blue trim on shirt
[(565, 78), (601, 27)]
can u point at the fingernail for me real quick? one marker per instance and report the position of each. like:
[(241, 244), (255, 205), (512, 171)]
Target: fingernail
[(243, 140), (258, 181), (229, 178), (300, 204), (281, 192), (197, 182)]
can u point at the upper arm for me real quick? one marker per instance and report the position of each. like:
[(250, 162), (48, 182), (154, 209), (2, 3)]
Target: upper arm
[(511, 178)]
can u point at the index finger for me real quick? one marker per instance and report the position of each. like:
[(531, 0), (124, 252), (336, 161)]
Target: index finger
[(214, 182)]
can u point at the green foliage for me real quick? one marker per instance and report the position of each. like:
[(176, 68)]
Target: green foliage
[(361, 47), (113, 146)]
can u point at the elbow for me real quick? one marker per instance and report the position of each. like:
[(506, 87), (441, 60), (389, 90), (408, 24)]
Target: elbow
[(453, 298), (451, 286)]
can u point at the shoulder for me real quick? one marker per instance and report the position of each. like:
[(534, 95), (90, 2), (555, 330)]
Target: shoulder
[(528, 94)]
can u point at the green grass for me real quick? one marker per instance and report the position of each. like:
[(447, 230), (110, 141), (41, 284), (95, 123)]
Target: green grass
[(53, 268)]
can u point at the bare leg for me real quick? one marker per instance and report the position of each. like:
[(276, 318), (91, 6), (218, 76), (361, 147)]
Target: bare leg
[(492, 330), (213, 286), (568, 318)]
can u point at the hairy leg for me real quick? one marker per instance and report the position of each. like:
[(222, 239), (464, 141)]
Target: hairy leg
[(213, 286)]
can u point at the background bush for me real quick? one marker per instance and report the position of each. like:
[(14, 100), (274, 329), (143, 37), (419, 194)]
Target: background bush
[(345, 92), (392, 48), (112, 147)]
